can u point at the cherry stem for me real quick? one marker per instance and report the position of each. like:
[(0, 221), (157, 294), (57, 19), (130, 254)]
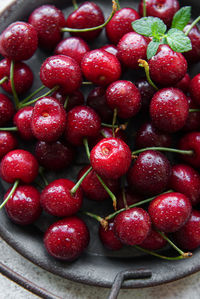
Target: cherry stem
[(192, 25), (66, 102), (114, 9), (144, 8), (165, 149), (103, 134), (4, 79), (75, 188), (85, 142), (87, 83), (194, 110), (114, 121), (124, 198), (32, 94), (109, 126), (12, 191), (118, 5), (9, 129), (16, 99), (102, 221), (75, 4), (145, 65), (41, 172)]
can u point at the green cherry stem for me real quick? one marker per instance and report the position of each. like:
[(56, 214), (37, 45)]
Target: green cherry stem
[(102, 221), (124, 198), (12, 191), (85, 142), (32, 94), (75, 188), (118, 5), (109, 125), (16, 99), (194, 110), (164, 149), (145, 65), (9, 129), (41, 172), (87, 83), (144, 8), (103, 134), (66, 102), (112, 196), (114, 121), (75, 4), (4, 79), (192, 25)]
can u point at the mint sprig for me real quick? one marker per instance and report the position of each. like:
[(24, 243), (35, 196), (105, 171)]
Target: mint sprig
[(181, 18)]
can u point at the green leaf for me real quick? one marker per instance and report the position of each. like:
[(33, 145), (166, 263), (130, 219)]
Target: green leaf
[(178, 41), (144, 25), (181, 18), (152, 48), (158, 28)]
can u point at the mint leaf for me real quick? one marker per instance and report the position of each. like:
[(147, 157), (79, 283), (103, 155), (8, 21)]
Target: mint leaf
[(144, 25), (181, 18), (158, 28), (152, 48), (178, 41)]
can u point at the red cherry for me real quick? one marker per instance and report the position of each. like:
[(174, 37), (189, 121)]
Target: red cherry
[(108, 238), (7, 143), (193, 120), (195, 89), (193, 55), (22, 120), (112, 49), (73, 100), (146, 92), (130, 197), (6, 109), (191, 141), (184, 83), (153, 241)]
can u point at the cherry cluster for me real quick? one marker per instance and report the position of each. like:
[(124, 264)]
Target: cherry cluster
[(152, 196)]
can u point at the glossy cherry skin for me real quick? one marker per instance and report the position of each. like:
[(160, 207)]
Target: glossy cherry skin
[(18, 41), (163, 9), (112, 49), (163, 72), (193, 55), (73, 100), (132, 226), (74, 47), (150, 173), (63, 71), (108, 237), (55, 155), (19, 165), (23, 207), (169, 109), (194, 89), (170, 211), (23, 76), (125, 97), (191, 141), (22, 120), (47, 20), (8, 142), (57, 200), (82, 122), (66, 239), (131, 47), (153, 241), (111, 158), (146, 92), (193, 120), (101, 67), (7, 109), (184, 83), (148, 136), (48, 119), (120, 24), (87, 15), (93, 189), (188, 237), (131, 198)]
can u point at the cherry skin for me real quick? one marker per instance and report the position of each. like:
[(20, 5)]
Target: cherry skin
[(7, 109), (193, 119), (120, 24), (169, 109), (93, 189), (191, 141), (23, 207), (130, 197), (57, 200), (47, 20), (131, 47), (132, 226), (112, 49), (194, 89), (66, 239), (186, 180), (73, 100), (146, 92), (163, 72), (18, 41), (48, 119), (73, 47), (8, 142), (193, 55), (184, 83), (153, 241), (150, 173), (54, 156), (19, 165), (100, 67), (111, 158), (108, 237), (63, 71), (125, 97), (170, 211), (82, 122), (22, 120), (87, 15)]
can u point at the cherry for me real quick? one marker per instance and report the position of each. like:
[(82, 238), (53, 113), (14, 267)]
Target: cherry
[(146, 92), (23, 207), (7, 143), (153, 241), (193, 120), (47, 20), (112, 49), (132, 226), (170, 211), (125, 97), (100, 67), (194, 89), (132, 47), (193, 55), (22, 120), (6, 109), (163, 72), (54, 156), (111, 158), (108, 237), (169, 109), (82, 122), (63, 71), (87, 15), (184, 83), (18, 41), (48, 119), (74, 99), (130, 198), (150, 173), (191, 141), (120, 24), (73, 47), (19, 165), (66, 239)]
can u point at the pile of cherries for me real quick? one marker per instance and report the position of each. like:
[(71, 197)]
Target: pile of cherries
[(155, 200)]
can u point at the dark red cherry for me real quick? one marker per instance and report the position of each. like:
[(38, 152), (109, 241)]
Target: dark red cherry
[(170, 211), (120, 24), (193, 55), (112, 49), (73, 100), (8, 142), (87, 15), (194, 89), (47, 20), (7, 109), (108, 237), (18, 41), (153, 241), (66, 239), (22, 121), (184, 83), (132, 226), (191, 141), (146, 92), (193, 120), (23, 207), (130, 198)]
